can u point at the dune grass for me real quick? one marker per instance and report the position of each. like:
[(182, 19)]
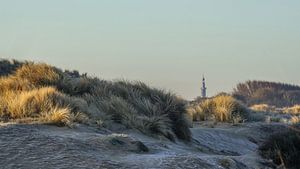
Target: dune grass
[(222, 108), (294, 110), (38, 102), (39, 74), (47, 94), (138, 106), (58, 116), (295, 120), (263, 108), (13, 83)]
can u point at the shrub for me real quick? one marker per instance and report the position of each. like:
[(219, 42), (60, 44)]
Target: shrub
[(283, 148)]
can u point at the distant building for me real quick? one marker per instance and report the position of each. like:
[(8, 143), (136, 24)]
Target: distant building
[(203, 88)]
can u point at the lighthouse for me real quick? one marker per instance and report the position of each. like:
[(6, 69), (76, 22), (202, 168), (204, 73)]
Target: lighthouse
[(203, 88)]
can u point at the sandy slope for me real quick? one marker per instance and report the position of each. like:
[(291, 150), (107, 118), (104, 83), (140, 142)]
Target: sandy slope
[(42, 146)]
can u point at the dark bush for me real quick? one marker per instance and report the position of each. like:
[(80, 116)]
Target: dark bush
[(283, 148)]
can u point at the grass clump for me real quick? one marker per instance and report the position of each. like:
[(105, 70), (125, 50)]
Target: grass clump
[(283, 148), (13, 83), (295, 110), (295, 120), (58, 116), (227, 108), (222, 108), (263, 108)]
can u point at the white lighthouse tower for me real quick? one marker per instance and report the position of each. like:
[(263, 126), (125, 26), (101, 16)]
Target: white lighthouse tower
[(203, 88)]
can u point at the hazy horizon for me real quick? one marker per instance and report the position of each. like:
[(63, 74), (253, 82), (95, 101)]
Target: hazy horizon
[(167, 44)]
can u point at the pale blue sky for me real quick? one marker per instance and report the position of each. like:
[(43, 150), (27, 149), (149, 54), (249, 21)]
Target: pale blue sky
[(165, 43)]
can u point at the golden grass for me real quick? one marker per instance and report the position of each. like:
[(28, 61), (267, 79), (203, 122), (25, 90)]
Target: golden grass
[(30, 103), (15, 84), (58, 116), (195, 113), (38, 74), (191, 114), (30, 76), (63, 116), (222, 108), (35, 103), (295, 110), (262, 108), (295, 120)]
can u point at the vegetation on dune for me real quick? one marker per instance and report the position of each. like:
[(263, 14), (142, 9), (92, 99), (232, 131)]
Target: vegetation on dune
[(39, 103), (283, 148), (270, 93), (295, 110), (30, 76), (222, 108), (9, 66), (295, 120), (263, 108), (47, 94), (290, 115), (150, 110), (39, 74)]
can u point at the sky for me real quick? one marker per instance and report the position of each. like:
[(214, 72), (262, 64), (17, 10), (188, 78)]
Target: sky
[(167, 44)]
